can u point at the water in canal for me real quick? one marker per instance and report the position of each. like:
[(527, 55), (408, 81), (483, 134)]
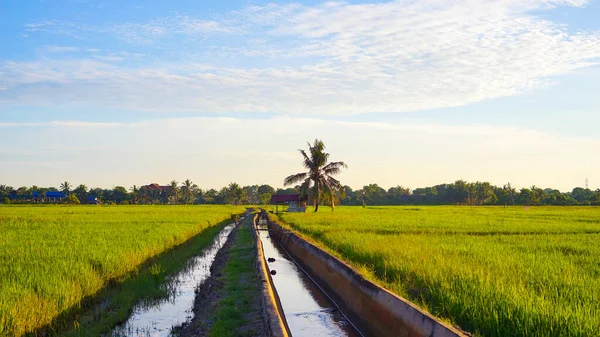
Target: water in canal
[(307, 310), (157, 319)]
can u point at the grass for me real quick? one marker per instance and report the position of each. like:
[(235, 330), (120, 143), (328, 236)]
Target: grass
[(494, 271), (241, 285), (57, 263)]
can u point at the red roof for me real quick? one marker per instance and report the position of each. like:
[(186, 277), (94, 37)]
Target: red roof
[(157, 187), (153, 187), (280, 198)]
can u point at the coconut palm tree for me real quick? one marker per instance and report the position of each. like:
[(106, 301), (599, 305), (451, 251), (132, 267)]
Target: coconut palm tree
[(65, 187), (135, 194), (187, 189), (319, 178), (174, 192)]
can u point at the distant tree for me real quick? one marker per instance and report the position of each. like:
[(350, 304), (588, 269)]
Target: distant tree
[(234, 194), (211, 196), (265, 198), (5, 190), (397, 191), (120, 195), (289, 190), (425, 195), (81, 192), (266, 189), (374, 194), (596, 198), (6, 200), (65, 188), (197, 194), (174, 193), (458, 192), (96, 193), (135, 194), (582, 195), (251, 195), (187, 191), (484, 193), (525, 197), (319, 177), (510, 192), (22, 190), (264, 193), (537, 194)]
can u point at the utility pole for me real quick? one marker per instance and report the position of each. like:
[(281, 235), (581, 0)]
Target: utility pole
[(586, 183)]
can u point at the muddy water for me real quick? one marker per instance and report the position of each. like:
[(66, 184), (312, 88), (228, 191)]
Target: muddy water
[(307, 310), (158, 318)]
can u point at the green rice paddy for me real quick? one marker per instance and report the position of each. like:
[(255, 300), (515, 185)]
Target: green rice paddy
[(494, 271), (54, 258)]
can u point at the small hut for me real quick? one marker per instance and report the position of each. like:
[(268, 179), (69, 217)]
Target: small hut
[(294, 202)]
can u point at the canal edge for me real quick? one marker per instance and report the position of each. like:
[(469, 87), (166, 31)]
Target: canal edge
[(273, 315), (375, 309)]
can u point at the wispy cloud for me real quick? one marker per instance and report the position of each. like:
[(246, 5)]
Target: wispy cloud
[(77, 124), (60, 49), (166, 27), (148, 32), (332, 58)]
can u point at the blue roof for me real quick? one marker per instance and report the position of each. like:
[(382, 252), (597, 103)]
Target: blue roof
[(55, 195)]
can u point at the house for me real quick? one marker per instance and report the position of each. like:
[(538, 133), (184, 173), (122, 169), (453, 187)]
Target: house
[(295, 202), (92, 200), (156, 187), (55, 195)]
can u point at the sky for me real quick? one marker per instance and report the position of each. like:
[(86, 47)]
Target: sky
[(412, 93)]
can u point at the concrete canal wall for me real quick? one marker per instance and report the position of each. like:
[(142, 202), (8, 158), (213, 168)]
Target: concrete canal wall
[(374, 310), (272, 313)]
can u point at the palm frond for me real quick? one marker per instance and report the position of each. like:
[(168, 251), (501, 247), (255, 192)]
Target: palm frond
[(295, 178), (307, 163), (335, 164), (334, 183)]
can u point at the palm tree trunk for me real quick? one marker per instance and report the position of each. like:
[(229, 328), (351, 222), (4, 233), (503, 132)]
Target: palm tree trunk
[(318, 195)]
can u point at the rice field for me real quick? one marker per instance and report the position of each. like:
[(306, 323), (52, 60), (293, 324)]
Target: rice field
[(52, 258), (494, 271)]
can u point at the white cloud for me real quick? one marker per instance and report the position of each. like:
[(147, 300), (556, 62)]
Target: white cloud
[(165, 27), (78, 124), (332, 58), (61, 49)]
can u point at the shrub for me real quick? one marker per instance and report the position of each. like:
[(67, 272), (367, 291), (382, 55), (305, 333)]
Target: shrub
[(72, 199)]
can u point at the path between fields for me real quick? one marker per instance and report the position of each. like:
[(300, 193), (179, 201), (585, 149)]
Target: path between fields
[(230, 297)]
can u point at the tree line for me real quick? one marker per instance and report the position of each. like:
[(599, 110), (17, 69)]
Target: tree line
[(459, 192)]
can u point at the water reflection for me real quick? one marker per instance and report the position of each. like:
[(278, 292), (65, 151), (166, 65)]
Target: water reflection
[(157, 318), (307, 310)]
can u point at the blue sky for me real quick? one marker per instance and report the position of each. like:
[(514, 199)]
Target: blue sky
[(407, 92)]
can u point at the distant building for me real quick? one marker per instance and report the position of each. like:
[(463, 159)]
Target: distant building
[(157, 187), (55, 196), (294, 201)]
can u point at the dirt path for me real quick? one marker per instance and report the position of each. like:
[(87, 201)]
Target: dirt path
[(228, 303)]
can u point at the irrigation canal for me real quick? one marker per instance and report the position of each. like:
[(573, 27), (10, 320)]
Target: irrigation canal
[(308, 311), (158, 318)]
